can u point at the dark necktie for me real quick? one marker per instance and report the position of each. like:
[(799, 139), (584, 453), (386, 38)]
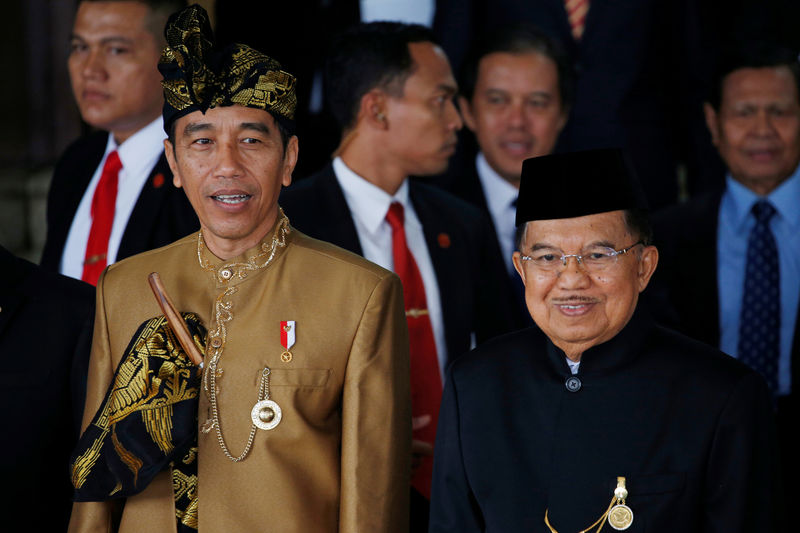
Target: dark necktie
[(426, 381), (760, 321), (104, 203)]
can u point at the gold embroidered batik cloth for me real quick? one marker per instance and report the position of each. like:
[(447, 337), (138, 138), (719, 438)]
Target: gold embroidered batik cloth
[(199, 75), (147, 423)]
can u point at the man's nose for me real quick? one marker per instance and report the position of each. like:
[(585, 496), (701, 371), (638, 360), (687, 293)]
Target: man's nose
[(574, 274), (516, 114), (94, 64), (229, 164), (454, 120), (763, 123)]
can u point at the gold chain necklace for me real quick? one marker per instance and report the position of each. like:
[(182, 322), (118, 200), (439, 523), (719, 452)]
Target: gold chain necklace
[(619, 515), (223, 274)]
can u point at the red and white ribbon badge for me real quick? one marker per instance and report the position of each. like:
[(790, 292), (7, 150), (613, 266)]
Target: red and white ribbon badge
[(288, 329)]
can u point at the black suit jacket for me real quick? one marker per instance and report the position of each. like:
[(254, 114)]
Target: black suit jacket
[(685, 296), (45, 336), (689, 427), (461, 180), (162, 213), (460, 241)]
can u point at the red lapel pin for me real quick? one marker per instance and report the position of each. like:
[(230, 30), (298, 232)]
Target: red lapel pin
[(444, 240), (158, 180)]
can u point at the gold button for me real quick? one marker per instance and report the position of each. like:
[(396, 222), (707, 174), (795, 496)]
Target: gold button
[(226, 273), (216, 342)]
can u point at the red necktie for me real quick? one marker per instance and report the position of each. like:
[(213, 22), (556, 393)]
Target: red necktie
[(576, 13), (426, 381), (103, 204)]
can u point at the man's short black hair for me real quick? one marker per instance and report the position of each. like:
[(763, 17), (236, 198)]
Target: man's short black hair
[(160, 10), (365, 57), (519, 39), (637, 221), (752, 55)]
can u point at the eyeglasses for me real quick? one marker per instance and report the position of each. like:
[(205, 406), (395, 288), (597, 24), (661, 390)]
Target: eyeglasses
[(593, 259)]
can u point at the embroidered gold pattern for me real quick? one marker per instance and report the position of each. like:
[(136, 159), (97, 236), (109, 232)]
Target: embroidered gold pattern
[(139, 392), (133, 463), (84, 463), (184, 487), (257, 262), (224, 274), (247, 77), (158, 423)]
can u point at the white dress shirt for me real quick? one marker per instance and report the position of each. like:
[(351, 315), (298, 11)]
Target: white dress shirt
[(500, 197), (138, 154), (368, 205)]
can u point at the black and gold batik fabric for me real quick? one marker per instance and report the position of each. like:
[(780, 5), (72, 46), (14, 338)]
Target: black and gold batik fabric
[(199, 76), (147, 423)]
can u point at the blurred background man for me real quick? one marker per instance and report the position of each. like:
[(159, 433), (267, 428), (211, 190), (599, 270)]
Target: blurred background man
[(639, 76), (731, 259), (392, 91), (112, 194), (515, 94)]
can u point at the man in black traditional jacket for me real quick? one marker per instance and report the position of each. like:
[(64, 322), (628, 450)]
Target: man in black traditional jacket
[(601, 415)]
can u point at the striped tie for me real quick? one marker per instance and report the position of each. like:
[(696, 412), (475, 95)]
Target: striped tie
[(576, 13)]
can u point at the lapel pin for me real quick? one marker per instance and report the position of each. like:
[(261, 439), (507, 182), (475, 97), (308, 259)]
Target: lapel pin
[(158, 180), (288, 333), (444, 240)]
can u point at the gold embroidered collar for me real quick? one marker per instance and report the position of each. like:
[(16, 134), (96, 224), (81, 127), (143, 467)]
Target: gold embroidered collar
[(255, 259)]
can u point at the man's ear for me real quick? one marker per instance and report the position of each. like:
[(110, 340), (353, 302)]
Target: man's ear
[(466, 113), (373, 109), (516, 258), (712, 121), (169, 151), (647, 266), (290, 160)]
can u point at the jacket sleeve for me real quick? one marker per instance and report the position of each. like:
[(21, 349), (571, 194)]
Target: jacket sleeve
[(743, 490), (453, 506), (95, 517), (376, 418)]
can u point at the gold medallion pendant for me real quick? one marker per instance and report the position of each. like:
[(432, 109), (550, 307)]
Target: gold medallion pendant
[(620, 517), (266, 414)]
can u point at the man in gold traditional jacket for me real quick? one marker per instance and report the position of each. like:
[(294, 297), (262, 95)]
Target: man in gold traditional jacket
[(291, 320)]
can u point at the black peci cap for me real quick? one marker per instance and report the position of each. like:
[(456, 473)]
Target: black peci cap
[(577, 184)]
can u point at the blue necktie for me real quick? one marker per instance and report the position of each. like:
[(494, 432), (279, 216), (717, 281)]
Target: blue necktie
[(760, 321)]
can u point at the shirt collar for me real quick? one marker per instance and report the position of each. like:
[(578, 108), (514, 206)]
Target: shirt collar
[(139, 150), (500, 194), (784, 199), (368, 202)]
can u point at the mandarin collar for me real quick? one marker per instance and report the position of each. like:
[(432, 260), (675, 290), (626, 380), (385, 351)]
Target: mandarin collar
[(609, 356), (253, 261)]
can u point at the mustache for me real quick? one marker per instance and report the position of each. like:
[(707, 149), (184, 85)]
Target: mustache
[(574, 300)]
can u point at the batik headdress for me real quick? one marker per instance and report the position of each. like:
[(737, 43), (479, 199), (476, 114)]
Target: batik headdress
[(199, 76)]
